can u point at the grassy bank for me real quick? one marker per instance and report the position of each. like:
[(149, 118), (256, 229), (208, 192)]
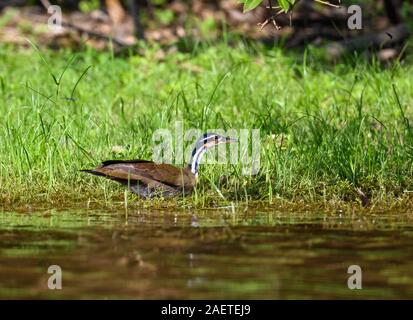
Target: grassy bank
[(329, 134)]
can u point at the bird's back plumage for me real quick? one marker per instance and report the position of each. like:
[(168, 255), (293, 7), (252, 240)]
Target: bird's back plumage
[(147, 178)]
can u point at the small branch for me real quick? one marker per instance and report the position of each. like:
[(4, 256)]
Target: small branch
[(94, 34), (272, 16), (46, 4), (328, 3)]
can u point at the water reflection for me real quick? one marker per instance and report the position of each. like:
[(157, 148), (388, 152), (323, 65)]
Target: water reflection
[(205, 254)]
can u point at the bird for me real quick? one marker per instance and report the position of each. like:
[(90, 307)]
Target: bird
[(149, 179)]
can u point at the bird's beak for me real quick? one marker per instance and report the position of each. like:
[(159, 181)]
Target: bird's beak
[(231, 140)]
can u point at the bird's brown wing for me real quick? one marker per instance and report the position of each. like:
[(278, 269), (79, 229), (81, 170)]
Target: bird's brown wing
[(150, 173), (168, 174)]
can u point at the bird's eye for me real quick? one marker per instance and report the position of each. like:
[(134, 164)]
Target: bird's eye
[(216, 139)]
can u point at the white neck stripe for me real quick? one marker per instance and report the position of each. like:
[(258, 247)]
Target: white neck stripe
[(196, 159)]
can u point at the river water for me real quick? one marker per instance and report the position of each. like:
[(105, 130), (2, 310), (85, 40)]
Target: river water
[(211, 254)]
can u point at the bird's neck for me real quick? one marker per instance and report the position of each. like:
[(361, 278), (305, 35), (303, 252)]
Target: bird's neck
[(196, 158)]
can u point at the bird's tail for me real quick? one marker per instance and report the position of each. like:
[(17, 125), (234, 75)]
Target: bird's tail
[(94, 172)]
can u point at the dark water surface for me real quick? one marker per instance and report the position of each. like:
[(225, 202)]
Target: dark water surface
[(207, 254)]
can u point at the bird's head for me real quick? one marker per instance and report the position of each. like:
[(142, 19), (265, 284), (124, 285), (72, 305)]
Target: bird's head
[(209, 140)]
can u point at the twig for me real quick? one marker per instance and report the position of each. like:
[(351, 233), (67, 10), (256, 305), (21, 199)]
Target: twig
[(93, 34), (46, 4), (271, 18), (328, 3)]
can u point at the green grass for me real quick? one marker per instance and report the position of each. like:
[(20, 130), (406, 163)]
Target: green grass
[(342, 127)]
